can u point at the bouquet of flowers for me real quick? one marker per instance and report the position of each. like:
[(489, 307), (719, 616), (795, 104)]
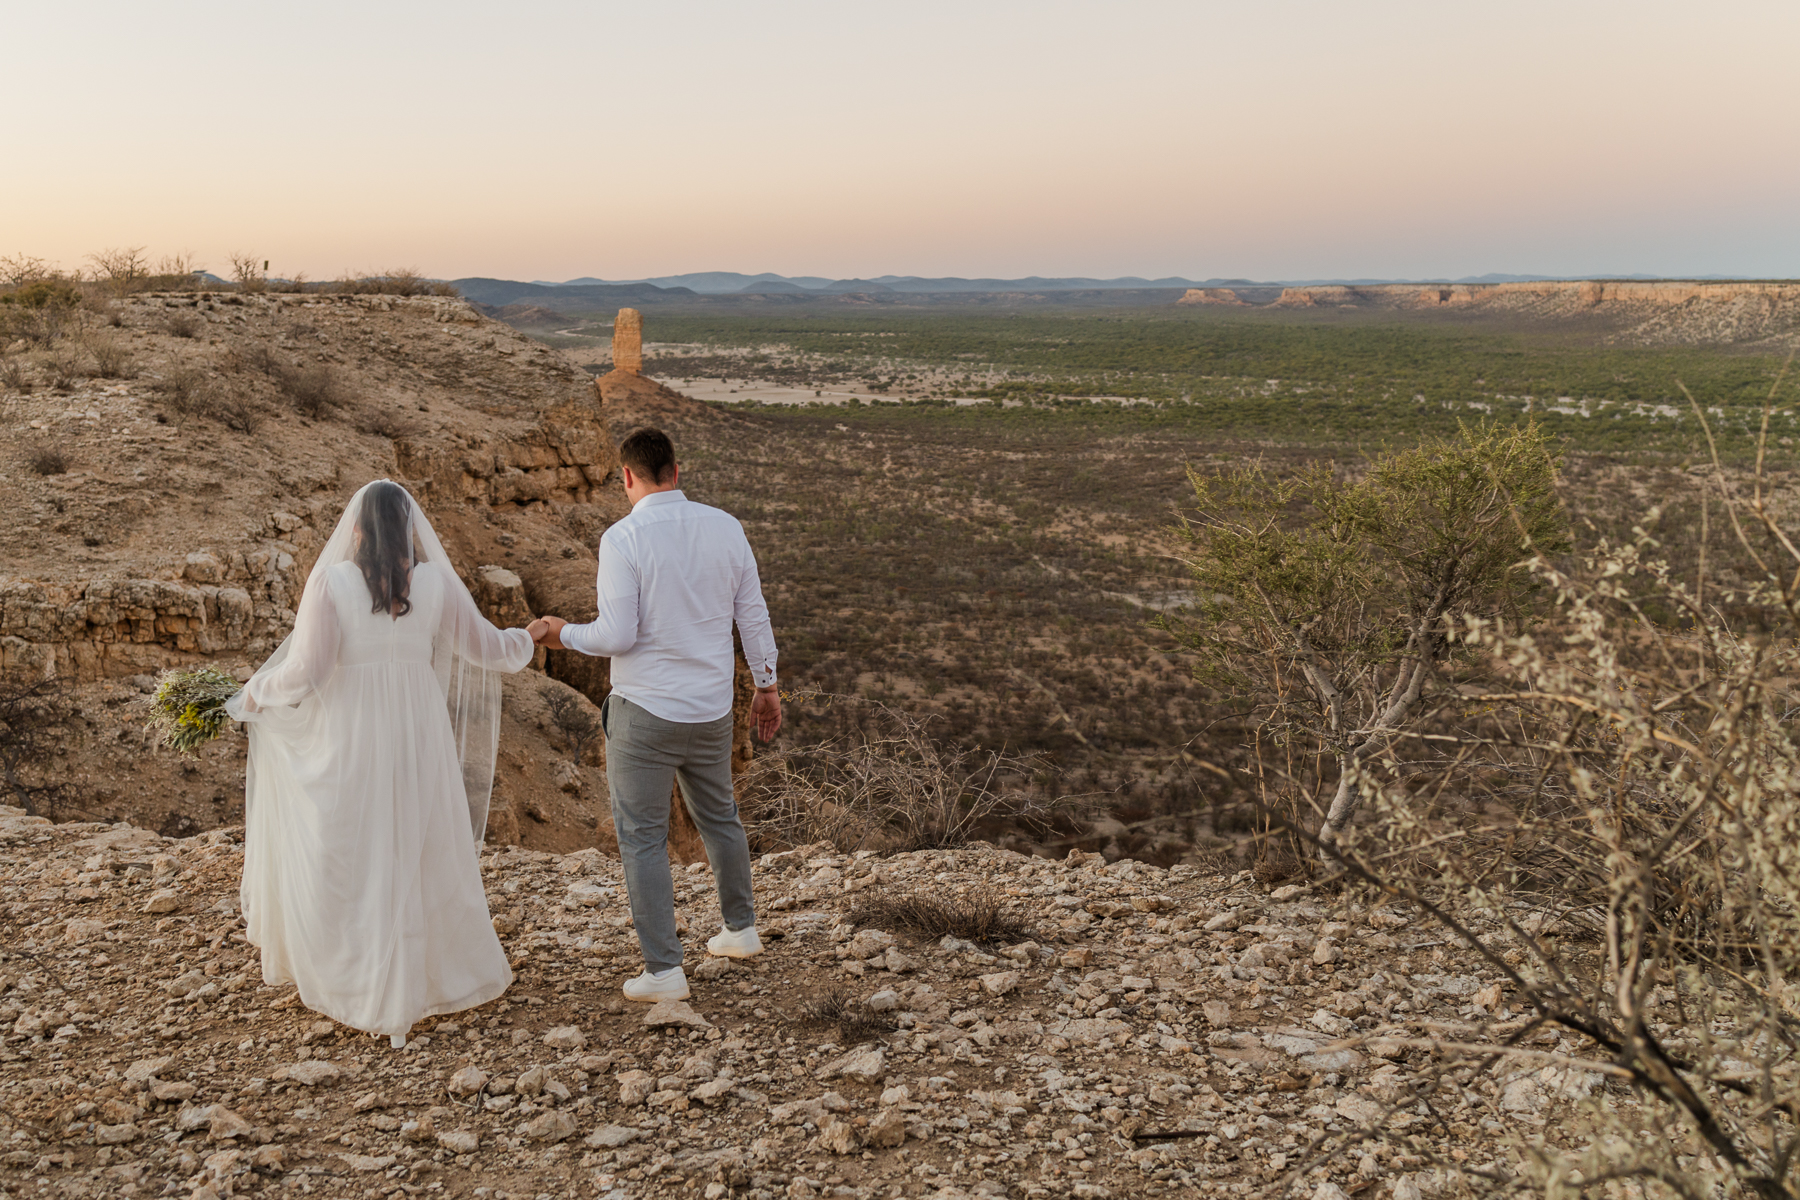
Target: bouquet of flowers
[(188, 709)]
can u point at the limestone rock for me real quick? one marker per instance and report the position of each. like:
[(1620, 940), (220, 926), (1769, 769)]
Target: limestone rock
[(869, 942), (863, 1066), (224, 1124), (148, 1068), (115, 1135), (611, 1137), (459, 1141), (628, 341), (887, 1130), (635, 1087), (674, 1012), (551, 1126), (467, 1081), (367, 1163), (313, 1072), (185, 985), (166, 900), (565, 1037), (1000, 983), (839, 1137), (82, 930)]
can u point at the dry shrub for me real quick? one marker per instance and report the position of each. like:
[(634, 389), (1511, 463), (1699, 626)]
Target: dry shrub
[(123, 270), (977, 916), (312, 390), (1613, 827), (13, 376), (384, 422), (247, 272), (237, 413), (64, 366), (258, 357), (34, 718), (111, 359), (46, 458), (889, 786), (183, 324), (41, 311), (573, 715), (400, 281), (856, 1022)]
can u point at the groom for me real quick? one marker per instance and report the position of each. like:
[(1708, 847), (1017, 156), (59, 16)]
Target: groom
[(674, 575)]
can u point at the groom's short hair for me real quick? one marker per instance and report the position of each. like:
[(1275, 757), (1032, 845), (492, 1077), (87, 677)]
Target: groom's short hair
[(650, 453)]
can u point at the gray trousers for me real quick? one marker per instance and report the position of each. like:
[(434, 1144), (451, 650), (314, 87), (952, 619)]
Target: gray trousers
[(645, 757)]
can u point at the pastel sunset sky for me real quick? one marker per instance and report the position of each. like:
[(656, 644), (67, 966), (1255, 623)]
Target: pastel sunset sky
[(1278, 139)]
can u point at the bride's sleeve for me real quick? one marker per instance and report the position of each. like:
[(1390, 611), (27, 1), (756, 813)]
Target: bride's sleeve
[(312, 655), (475, 637)]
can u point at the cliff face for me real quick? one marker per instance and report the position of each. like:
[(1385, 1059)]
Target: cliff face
[(1643, 311), (1211, 296), (201, 480)]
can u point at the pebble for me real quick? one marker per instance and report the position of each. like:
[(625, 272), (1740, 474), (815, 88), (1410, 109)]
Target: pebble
[(459, 1141), (467, 1081), (675, 1012), (551, 1126)]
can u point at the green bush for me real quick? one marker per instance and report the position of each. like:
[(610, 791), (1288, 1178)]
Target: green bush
[(1330, 604), (40, 311)]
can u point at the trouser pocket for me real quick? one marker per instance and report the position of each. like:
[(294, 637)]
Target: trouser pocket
[(605, 709)]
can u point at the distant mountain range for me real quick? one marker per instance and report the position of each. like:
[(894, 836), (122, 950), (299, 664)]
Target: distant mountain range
[(574, 293)]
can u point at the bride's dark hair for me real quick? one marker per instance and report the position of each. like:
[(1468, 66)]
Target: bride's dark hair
[(385, 551)]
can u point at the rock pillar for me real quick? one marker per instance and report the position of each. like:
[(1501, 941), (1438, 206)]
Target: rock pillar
[(628, 341)]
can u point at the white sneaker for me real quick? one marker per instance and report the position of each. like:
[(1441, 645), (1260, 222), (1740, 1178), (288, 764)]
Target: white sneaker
[(741, 943), (669, 985)]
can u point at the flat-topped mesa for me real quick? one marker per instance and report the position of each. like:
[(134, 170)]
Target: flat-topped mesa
[(1213, 295), (628, 341)]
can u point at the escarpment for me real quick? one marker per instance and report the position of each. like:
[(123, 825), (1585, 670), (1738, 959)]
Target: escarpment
[(167, 512), (1651, 312)]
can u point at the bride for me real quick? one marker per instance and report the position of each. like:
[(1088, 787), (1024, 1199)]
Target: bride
[(373, 730)]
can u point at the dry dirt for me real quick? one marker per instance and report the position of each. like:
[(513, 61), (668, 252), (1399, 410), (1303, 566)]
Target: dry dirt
[(1155, 1032)]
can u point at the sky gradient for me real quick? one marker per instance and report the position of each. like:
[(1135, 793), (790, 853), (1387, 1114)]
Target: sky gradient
[(1277, 140)]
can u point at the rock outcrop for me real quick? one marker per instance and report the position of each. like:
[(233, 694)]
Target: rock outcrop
[(177, 537), (628, 342), (1644, 311), (1210, 296)]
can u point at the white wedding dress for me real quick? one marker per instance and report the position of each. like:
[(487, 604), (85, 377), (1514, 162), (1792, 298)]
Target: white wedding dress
[(365, 801)]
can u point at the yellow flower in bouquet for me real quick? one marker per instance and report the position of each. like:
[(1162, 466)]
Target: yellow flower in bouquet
[(188, 708)]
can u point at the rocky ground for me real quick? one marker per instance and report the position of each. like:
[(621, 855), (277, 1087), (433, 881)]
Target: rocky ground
[(1152, 1032)]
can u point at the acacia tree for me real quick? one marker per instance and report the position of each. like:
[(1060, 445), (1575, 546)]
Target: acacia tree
[(1329, 603)]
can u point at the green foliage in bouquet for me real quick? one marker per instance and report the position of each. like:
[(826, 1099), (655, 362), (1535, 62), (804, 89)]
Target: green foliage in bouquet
[(188, 709)]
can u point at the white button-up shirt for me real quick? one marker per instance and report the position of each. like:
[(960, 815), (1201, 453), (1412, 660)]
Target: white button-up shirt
[(673, 577)]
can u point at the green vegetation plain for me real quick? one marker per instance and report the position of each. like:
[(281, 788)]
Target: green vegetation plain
[(1323, 380), (1000, 564)]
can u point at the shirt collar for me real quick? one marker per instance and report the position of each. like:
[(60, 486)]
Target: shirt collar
[(671, 497)]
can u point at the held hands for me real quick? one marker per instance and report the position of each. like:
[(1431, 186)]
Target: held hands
[(765, 714), (546, 631)]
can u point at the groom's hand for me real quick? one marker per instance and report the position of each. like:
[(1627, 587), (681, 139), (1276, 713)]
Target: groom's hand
[(765, 714), (546, 631)]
